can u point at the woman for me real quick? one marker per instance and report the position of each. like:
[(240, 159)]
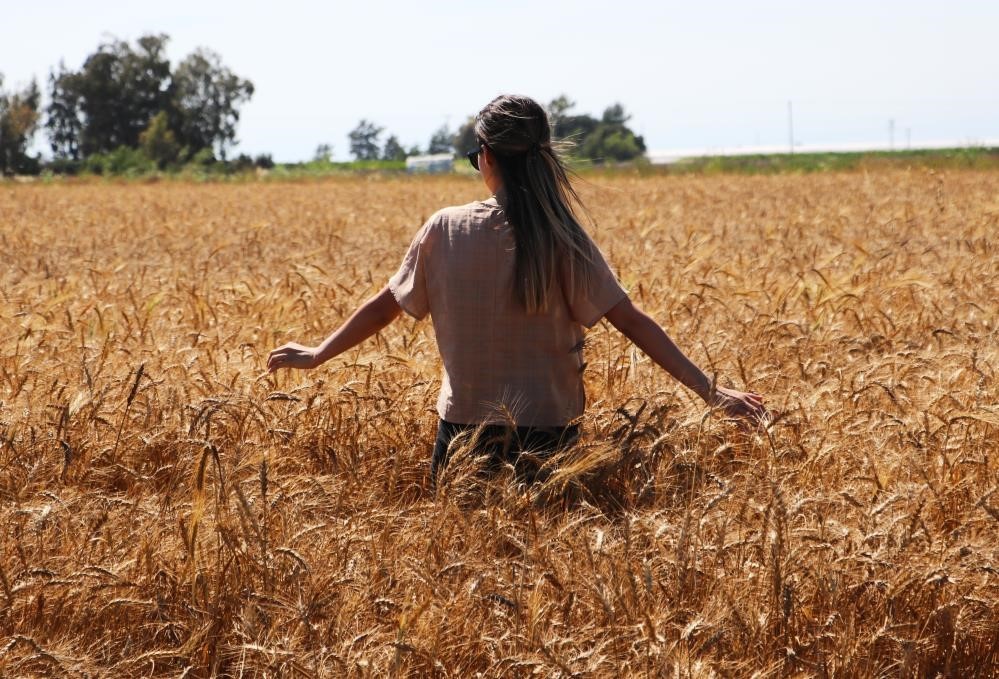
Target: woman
[(509, 283)]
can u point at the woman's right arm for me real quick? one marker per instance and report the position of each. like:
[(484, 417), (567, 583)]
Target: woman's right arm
[(639, 327), (369, 318)]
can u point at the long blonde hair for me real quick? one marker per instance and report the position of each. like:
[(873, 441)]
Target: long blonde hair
[(539, 200)]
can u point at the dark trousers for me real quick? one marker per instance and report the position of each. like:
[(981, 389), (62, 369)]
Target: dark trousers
[(500, 443)]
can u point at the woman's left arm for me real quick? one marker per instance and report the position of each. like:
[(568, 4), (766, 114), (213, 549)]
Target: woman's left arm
[(369, 318), (649, 336)]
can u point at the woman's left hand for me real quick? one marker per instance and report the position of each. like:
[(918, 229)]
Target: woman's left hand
[(740, 404), (293, 355)]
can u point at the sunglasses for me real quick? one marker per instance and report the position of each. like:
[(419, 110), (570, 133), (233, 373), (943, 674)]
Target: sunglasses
[(473, 157)]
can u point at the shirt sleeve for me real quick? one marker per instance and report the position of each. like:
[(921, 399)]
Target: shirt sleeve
[(588, 304), (409, 284)]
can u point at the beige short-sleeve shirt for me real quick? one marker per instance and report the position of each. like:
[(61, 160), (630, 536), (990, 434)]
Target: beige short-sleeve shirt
[(497, 358)]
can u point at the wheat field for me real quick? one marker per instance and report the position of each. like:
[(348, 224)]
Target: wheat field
[(169, 509)]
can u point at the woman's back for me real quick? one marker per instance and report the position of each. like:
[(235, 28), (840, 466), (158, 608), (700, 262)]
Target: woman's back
[(499, 359)]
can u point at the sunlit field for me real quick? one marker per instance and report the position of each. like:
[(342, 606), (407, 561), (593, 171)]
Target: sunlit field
[(169, 509)]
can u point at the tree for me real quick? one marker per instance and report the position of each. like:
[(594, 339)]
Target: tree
[(464, 139), (364, 140), (559, 108), (613, 139), (608, 138), (208, 96), (64, 115), (566, 127), (609, 142), (615, 115), (111, 100), (442, 141), (146, 82), (18, 120), (158, 141), (323, 154), (575, 128), (393, 149), (114, 97)]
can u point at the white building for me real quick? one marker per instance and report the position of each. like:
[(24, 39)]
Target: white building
[(438, 162)]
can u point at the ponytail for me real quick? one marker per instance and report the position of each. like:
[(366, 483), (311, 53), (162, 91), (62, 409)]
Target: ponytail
[(552, 247)]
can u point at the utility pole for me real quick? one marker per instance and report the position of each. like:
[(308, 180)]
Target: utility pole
[(790, 127), (891, 134)]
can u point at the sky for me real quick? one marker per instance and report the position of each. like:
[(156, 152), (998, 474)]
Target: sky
[(706, 74)]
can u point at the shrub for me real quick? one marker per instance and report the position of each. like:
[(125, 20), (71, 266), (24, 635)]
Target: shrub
[(122, 161), (158, 141)]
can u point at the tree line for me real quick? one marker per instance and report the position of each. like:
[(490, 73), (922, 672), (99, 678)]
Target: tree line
[(598, 140), (365, 143), (128, 109)]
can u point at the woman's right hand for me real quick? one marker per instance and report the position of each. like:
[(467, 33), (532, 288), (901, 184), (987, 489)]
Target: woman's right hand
[(740, 404), (293, 355)]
